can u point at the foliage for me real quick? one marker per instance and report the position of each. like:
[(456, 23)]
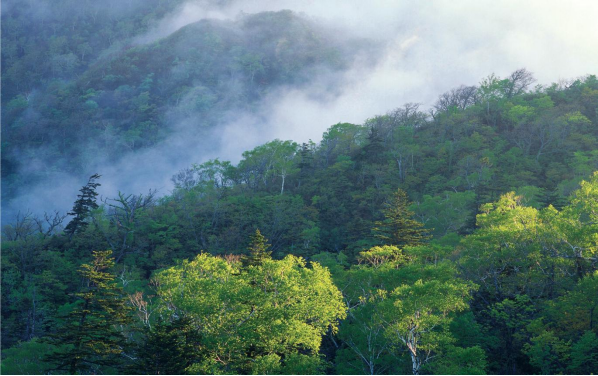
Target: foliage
[(490, 266), (90, 336), (398, 228), (273, 312), (258, 250), (86, 202)]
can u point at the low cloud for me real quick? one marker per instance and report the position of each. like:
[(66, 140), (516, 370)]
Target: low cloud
[(428, 48)]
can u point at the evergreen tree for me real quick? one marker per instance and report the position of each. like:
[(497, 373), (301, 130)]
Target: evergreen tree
[(90, 336), (373, 150), (168, 349), (554, 198), (86, 202), (306, 160), (398, 228), (258, 250)]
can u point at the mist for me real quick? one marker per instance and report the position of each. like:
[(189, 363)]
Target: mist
[(426, 49)]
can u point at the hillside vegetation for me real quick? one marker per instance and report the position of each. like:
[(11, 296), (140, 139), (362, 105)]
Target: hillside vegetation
[(460, 239), (60, 117)]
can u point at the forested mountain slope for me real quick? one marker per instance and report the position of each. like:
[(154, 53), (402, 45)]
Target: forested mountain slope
[(92, 93), (421, 259), (460, 238)]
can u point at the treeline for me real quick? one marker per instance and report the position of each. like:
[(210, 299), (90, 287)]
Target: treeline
[(388, 247)]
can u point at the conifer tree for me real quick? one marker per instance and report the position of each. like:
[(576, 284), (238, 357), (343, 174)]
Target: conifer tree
[(168, 349), (90, 337), (398, 227), (258, 250), (305, 162), (373, 150), (86, 202)]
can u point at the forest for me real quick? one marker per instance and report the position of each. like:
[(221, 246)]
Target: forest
[(456, 239)]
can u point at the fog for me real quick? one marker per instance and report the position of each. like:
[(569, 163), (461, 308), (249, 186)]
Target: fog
[(428, 48)]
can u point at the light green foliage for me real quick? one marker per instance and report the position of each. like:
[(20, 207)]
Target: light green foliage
[(275, 309), (273, 159), (419, 316), (378, 256), (400, 308), (505, 242)]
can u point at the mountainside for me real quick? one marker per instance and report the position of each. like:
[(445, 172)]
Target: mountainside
[(495, 272), (130, 98), (459, 237)]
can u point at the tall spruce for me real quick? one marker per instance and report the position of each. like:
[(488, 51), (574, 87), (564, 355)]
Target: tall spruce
[(85, 203), (258, 250), (90, 336), (398, 227)]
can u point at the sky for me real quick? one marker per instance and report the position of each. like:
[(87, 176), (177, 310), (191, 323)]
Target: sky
[(428, 48)]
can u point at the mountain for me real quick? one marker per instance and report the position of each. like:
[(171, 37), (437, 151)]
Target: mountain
[(129, 96)]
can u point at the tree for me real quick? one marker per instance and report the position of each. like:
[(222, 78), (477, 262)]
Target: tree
[(168, 349), (27, 358), (258, 249), (400, 313), (85, 203), (417, 316), (255, 320), (584, 355), (90, 336), (398, 228)]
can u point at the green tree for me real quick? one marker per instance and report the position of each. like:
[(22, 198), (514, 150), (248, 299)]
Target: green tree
[(168, 349), (418, 314), (26, 358), (584, 355), (258, 250), (85, 203), (91, 335), (262, 319), (399, 228)]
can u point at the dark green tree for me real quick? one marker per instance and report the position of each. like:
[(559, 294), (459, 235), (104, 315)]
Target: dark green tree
[(90, 336), (86, 202), (306, 160), (373, 150), (258, 250), (398, 227), (168, 349)]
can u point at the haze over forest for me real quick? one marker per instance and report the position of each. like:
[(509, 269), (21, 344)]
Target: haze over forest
[(299, 187), (386, 55)]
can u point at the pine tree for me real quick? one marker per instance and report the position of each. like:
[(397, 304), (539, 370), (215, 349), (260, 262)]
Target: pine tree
[(258, 250), (86, 202), (399, 228), (89, 337)]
